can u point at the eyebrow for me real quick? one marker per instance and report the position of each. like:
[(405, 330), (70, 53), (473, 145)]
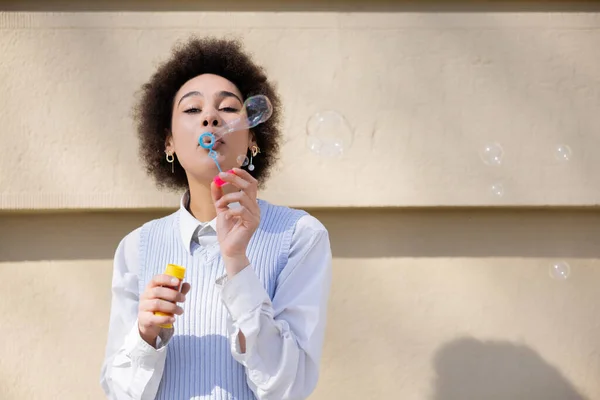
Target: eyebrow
[(188, 95), (223, 93)]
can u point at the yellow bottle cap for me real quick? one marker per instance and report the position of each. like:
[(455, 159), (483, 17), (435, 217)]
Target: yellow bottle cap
[(178, 272), (175, 270)]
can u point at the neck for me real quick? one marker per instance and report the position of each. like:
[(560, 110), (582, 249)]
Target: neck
[(201, 204)]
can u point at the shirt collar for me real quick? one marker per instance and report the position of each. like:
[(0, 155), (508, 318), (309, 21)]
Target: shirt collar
[(188, 224)]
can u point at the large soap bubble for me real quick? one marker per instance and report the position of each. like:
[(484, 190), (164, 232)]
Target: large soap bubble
[(328, 134), (257, 109)]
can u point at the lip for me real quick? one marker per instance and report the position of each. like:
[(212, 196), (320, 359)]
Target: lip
[(218, 142)]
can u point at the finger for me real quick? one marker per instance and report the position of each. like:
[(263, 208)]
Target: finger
[(163, 280), (217, 193), (167, 294), (235, 197), (185, 288), (239, 181), (149, 319), (241, 212), (245, 175), (158, 320), (242, 198), (162, 306)]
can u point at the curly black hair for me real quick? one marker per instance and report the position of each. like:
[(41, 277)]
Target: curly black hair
[(196, 56)]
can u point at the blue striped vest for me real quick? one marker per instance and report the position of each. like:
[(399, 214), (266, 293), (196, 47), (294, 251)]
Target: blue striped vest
[(199, 363)]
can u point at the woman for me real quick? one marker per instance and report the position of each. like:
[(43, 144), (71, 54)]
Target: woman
[(249, 320)]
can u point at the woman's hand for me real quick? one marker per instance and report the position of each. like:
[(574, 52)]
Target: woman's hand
[(161, 295), (236, 225)]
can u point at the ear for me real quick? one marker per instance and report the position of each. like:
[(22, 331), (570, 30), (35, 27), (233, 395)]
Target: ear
[(169, 145), (251, 140)]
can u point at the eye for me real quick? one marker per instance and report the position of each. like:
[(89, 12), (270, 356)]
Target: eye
[(229, 109), (192, 110)]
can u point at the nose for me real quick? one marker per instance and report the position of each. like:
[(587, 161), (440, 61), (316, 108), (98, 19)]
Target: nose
[(210, 120)]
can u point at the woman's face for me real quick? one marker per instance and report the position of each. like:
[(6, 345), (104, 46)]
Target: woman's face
[(203, 104)]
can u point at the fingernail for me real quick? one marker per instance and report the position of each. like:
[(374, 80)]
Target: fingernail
[(174, 281), (172, 319), (219, 182)]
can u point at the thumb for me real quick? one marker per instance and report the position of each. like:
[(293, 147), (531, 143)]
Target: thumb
[(185, 288), (216, 193)]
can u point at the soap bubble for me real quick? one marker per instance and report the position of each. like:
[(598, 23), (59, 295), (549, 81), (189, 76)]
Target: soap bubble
[(562, 152), (497, 189), (492, 154), (329, 134), (242, 160), (257, 109), (560, 270)]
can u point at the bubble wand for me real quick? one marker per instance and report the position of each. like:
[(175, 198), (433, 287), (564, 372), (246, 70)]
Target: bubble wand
[(258, 110)]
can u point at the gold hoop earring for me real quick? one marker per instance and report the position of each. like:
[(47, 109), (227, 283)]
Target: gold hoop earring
[(171, 160), (253, 152)]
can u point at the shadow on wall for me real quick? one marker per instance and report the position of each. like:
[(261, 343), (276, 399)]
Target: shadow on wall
[(380, 232), (497, 370)]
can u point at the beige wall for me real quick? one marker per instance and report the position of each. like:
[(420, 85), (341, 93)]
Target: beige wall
[(440, 305), (429, 303), (423, 92)]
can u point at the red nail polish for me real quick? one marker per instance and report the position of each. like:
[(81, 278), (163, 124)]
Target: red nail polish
[(218, 181)]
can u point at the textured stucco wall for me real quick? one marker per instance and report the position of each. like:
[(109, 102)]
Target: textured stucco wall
[(423, 92), (432, 304), (425, 305)]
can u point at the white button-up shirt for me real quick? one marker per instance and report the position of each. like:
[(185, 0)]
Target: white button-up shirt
[(284, 337)]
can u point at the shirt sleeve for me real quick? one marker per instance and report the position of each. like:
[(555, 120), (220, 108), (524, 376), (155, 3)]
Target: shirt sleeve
[(284, 338), (132, 369)]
